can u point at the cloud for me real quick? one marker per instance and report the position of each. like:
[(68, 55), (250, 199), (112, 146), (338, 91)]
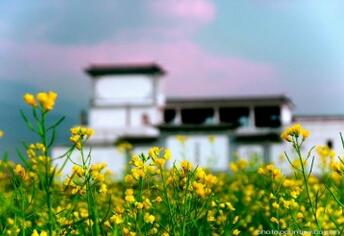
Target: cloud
[(73, 22), (92, 22), (125, 31), (191, 69), (202, 11)]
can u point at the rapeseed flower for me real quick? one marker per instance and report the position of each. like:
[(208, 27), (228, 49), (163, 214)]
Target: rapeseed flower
[(236, 232), (30, 99), (181, 139), (148, 218), (326, 155), (124, 147), (186, 165), (295, 131), (47, 100), (211, 138), (79, 135), (117, 219)]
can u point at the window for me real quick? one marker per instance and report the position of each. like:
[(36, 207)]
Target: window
[(269, 116), (237, 116), (169, 115), (197, 116)]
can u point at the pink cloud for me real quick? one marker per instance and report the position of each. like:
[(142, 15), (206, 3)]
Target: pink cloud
[(191, 70), (186, 10)]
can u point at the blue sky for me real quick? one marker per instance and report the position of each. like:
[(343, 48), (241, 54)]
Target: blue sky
[(209, 48)]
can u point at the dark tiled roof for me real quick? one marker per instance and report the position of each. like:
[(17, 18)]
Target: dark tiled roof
[(244, 100), (124, 69)]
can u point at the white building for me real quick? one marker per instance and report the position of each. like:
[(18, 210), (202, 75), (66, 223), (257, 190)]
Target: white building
[(128, 104)]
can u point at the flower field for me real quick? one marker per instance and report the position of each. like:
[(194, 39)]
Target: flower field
[(249, 199)]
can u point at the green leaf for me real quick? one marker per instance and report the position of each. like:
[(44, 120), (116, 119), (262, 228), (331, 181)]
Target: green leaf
[(22, 157), (52, 139), (57, 123), (35, 115), (311, 169), (27, 121)]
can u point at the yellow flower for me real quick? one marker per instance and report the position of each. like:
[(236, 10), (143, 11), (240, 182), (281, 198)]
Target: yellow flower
[(148, 218), (160, 162), (286, 136), (325, 151), (21, 172), (124, 147), (299, 215), (47, 100), (186, 165), (305, 133), (274, 220), (117, 219), (261, 171), (294, 131), (30, 99), (158, 199), (167, 154), (235, 220), (103, 188), (233, 167), (139, 205), (10, 221), (129, 195), (1, 133), (275, 205), (337, 167), (181, 138), (236, 232), (79, 135), (84, 213), (199, 189), (154, 152), (230, 206), (35, 233), (43, 233), (78, 170), (211, 138)]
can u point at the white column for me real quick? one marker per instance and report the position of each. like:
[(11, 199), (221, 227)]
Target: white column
[(178, 118), (216, 115), (251, 117)]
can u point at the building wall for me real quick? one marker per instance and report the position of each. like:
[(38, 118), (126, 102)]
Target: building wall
[(201, 151), (216, 155), (105, 118), (323, 131), (110, 90), (136, 116), (123, 117)]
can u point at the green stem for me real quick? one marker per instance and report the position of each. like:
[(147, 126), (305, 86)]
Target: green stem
[(185, 198), (90, 196), (47, 186), (305, 179), (167, 200)]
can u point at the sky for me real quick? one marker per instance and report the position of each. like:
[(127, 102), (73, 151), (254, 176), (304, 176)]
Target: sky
[(208, 47)]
